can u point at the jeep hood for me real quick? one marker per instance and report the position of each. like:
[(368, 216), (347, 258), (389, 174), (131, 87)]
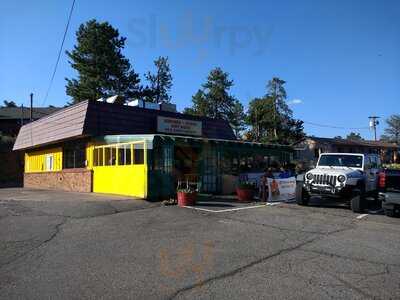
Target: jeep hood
[(349, 172)]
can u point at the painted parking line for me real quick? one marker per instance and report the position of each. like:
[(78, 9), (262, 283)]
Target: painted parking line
[(225, 210), (361, 216)]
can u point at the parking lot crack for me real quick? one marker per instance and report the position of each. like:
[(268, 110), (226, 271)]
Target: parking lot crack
[(259, 261), (56, 231), (241, 269)]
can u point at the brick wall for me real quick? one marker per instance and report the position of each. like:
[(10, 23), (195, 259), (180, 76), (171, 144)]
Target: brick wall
[(76, 180)]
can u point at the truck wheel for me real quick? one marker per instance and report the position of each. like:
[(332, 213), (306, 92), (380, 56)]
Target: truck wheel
[(389, 212), (303, 198), (357, 203)]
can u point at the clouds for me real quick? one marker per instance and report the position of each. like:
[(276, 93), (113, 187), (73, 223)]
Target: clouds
[(295, 102)]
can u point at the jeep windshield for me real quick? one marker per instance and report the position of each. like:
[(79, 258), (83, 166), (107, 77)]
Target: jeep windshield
[(337, 160)]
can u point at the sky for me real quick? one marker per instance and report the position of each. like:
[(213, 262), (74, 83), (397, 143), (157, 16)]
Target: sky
[(340, 59)]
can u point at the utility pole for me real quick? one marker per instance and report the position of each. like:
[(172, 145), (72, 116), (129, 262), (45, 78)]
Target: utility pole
[(31, 109), (22, 114), (373, 121)]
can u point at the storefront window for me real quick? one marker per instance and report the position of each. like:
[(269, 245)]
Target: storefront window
[(138, 155), (109, 156), (119, 154), (74, 156), (124, 155)]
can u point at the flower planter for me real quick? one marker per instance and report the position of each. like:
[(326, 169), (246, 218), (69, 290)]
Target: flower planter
[(187, 199), (244, 195)]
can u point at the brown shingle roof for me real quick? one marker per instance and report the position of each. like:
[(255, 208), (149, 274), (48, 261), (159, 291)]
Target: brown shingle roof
[(91, 118)]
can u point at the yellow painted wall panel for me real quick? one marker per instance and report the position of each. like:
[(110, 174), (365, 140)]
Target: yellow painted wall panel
[(35, 161), (130, 180)]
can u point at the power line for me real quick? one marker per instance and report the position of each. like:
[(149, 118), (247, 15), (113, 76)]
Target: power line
[(335, 127), (59, 53)]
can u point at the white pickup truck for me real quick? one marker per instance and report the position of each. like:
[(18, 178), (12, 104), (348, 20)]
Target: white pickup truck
[(349, 177)]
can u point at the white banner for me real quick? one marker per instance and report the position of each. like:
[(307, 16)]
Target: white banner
[(281, 189)]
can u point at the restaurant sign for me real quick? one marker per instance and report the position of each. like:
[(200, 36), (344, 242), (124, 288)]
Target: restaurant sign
[(178, 126)]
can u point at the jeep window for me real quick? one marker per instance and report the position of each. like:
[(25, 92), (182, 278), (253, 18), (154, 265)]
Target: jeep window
[(351, 161)]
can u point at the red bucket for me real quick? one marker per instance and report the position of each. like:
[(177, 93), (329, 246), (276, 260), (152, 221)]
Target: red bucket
[(186, 199)]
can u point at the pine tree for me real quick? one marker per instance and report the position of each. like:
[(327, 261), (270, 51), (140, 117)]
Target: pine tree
[(102, 69), (277, 92), (271, 119), (214, 100), (237, 119), (160, 82), (392, 131)]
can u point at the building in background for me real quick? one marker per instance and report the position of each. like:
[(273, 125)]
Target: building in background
[(12, 118), (95, 146), (310, 148)]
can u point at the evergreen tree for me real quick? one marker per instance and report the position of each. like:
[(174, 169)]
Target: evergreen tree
[(214, 100), (160, 82), (392, 131), (237, 119), (199, 107), (102, 69), (277, 92), (271, 119), (9, 103), (355, 136)]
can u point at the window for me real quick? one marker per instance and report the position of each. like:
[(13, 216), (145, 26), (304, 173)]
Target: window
[(98, 157), (128, 154), (337, 160), (124, 155), (74, 156), (49, 163), (109, 156), (138, 155)]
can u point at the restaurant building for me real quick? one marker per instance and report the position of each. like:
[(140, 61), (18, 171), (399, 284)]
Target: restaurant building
[(100, 147)]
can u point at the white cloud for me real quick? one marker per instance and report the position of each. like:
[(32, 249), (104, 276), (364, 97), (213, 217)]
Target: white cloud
[(295, 101)]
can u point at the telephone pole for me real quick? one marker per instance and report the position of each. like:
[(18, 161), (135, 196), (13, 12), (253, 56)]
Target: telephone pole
[(31, 108), (373, 121)]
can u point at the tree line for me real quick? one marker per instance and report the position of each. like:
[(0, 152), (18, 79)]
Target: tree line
[(103, 71)]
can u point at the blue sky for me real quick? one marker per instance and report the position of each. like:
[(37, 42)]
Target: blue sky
[(341, 59)]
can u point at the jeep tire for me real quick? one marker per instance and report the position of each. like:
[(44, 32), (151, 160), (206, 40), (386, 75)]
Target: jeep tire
[(357, 202), (389, 212), (303, 197)]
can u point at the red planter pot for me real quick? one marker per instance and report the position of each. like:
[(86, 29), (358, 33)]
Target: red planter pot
[(244, 195), (187, 199)]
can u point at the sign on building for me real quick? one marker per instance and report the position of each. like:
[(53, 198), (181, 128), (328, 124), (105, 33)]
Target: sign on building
[(179, 126)]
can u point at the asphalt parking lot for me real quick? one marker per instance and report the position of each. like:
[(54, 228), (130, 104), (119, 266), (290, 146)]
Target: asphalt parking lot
[(62, 245)]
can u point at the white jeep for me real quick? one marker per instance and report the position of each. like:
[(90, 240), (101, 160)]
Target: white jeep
[(349, 177)]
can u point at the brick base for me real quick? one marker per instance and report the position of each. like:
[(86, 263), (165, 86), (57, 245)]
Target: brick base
[(75, 180)]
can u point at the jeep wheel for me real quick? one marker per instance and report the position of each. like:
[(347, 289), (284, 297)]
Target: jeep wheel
[(356, 204), (303, 197), (389, 212)]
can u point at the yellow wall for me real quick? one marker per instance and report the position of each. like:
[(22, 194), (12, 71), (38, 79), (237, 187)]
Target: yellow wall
[(123, 180), (35, 161), (130, 180)]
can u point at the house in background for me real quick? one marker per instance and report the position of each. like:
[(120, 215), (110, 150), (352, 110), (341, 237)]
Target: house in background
[(12, 118), (309, 149)]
